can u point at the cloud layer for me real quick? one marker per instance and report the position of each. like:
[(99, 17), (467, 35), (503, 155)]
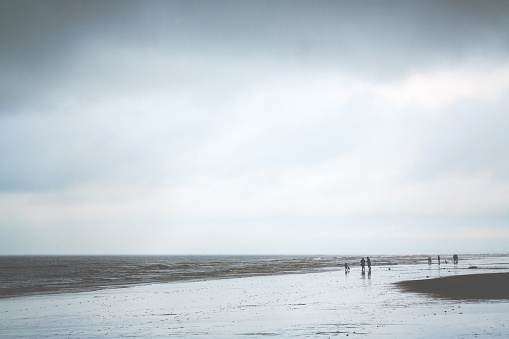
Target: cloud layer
[(254, 127)]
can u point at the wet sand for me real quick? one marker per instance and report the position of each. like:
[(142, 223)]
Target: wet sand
[(472, 286)]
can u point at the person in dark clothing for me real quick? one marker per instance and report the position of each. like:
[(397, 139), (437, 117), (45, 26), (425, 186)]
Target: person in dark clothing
[(363, 264), (455, 258), (369, 264)]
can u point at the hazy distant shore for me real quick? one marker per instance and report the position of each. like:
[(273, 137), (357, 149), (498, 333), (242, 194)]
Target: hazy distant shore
[(472, 286)]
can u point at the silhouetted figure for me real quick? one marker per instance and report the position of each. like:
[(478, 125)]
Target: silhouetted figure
[(369, 264), (439, 260), (347, 268), (455, 258), (429, 260), (363, 264)]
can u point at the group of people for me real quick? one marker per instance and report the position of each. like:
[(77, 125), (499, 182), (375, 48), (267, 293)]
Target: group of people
[(454, 259), (368, 262), (363, 265)]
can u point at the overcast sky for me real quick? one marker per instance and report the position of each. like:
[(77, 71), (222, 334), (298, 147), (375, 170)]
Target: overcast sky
[(254, 127)]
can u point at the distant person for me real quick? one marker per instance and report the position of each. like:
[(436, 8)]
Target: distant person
[(347, 268), (369, 264), (455, 258), (429, 260), (363, 264), (439, 260)]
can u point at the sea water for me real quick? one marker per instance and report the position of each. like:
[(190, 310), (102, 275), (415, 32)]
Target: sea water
[(35, 275)]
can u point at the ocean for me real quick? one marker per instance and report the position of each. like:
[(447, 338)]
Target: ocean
[(37, 275)]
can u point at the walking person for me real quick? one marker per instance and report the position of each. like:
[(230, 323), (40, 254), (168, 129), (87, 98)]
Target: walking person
[(369, 264), (363, 264)]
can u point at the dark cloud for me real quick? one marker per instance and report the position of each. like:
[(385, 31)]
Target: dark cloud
[(37, 39), (67, 57), (49, 45)]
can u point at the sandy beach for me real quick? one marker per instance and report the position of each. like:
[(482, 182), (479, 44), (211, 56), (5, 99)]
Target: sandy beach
[(330, 304), (471, 286)]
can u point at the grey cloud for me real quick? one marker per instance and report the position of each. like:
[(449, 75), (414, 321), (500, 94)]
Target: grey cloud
[(37, 39), (64, 57), (44, 43), (50, 152)]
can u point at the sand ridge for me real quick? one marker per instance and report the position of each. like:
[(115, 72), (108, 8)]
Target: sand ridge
[(471, 286)]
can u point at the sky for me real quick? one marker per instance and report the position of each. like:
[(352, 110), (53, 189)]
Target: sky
[(254, 127)]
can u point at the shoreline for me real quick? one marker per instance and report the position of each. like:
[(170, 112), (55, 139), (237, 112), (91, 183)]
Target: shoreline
[(294, 305), (484, 286)]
